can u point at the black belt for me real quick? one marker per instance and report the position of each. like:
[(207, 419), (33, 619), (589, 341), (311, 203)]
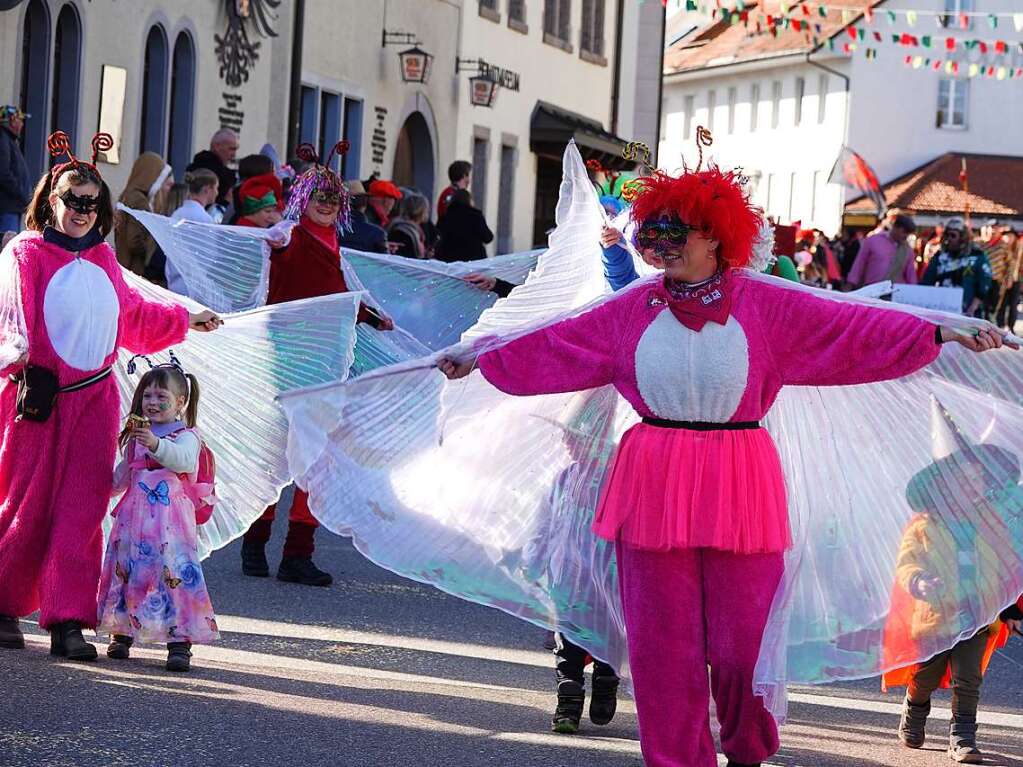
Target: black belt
[(77, 385), (665, 423)]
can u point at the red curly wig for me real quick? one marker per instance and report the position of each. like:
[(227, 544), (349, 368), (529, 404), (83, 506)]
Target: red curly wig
[(711, 201)]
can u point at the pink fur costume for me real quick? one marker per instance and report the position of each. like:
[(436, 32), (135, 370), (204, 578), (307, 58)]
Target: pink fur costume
[(698, 515), (55, 477)]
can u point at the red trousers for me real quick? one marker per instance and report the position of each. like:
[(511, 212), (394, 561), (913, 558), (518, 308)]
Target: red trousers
[(301, 527), (685, 610)]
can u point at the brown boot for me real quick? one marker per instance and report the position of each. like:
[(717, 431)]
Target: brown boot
[(10, 633), (913, 723)]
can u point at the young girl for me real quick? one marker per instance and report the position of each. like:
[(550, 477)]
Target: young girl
[(152, 588)]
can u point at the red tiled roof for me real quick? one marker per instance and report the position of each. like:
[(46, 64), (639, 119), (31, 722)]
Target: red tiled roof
[(723, 43), (995, 183)]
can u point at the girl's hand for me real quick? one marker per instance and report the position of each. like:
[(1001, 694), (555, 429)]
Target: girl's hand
[(204, 321), (145, 437), (1013, 626), (609, 236), (455, 370), (481, 281), (386, 323), (985, 340)]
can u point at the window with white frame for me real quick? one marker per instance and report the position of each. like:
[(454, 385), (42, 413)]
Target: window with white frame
[(712, 103), (769, 193), (792, 195), (822, 98), (517, 10), (591, 38), (953, 98), (754, 106), (953, 10), (775, 103), (557, 15), (689, 106), (800, 92), (732, 96)]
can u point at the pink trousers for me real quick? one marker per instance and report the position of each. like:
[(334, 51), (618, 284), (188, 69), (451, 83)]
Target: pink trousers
[(686, 609)]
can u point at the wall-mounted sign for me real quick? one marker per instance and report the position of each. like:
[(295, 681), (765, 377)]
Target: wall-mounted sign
[(482, 91), (111, 109), (503, 77), (415, 65)]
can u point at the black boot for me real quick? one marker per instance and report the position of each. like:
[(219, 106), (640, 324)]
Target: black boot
[(179, 656), (10, 633), (119, 647), (254, 559), (571, 697), (66, 641), (962, 740), (302, 570), (603, 698), (913, 723)]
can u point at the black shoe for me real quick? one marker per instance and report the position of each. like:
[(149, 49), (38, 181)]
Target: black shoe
[(254, 560), (179, 656), (10, 633), (603, 699), (66, 641), (302, 570), (571, 697), (119, 647)]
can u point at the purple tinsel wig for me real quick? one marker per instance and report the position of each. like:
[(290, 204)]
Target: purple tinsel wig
[(319, 178)]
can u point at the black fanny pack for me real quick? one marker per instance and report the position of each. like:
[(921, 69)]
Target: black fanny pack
[(38, 389)]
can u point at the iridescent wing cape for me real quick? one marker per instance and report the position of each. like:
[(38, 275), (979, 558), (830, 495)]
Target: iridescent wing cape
[(489, 497), (241, 368)]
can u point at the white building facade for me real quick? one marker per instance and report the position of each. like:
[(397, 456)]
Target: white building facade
[(783, 116)]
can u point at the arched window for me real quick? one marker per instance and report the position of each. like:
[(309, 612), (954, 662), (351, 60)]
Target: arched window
[(154, 93), (413, 155), (182, 104), (67, 57), (35, 69)]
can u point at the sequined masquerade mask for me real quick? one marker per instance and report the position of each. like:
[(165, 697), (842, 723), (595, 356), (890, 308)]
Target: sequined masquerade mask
[(80, 203), (666, 236), (325, 196)]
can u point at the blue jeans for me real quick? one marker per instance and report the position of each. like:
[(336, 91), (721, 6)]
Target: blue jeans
[(10, 222)]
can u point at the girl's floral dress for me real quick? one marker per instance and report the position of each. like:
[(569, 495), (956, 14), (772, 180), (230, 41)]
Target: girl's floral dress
[(152, 587)]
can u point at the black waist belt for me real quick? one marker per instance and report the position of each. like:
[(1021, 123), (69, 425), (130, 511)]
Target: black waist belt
[(85, 383), (664, 423)]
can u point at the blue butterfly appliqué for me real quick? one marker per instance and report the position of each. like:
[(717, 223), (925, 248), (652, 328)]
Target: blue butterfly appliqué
[(160, 494)]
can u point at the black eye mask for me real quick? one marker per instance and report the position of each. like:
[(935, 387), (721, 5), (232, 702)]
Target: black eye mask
[(80, 203)]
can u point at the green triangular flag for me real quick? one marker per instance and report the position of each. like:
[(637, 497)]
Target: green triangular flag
[(926, 41), (891, 17), (822, 10)]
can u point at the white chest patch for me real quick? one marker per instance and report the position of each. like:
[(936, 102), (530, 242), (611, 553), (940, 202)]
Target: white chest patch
[(81, 312), (688, 376)]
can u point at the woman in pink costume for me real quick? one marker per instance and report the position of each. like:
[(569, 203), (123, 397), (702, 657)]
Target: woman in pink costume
[(695, 497), (74, 311)]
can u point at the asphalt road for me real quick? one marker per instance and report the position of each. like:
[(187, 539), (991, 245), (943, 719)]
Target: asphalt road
[(378, 670)]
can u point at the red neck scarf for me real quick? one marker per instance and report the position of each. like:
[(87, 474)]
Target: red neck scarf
[(696, 305), (325, 234)]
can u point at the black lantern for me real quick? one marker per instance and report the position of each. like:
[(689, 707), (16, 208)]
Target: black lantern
[(415, 65), (482, 91)]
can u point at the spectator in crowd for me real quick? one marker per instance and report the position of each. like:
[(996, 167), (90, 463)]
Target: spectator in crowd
[(202, 185), (148, 183), (460, 176), (253, 166), (223, 149), (850, 249), (463, 230), (886, 255), (168, 201), (362, 235), (15, 184), (959, 263), (997, 253), (1008, 306), (406, 228), (383, 196), (259, 202)]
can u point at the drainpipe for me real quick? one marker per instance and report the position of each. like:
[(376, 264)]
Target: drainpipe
[(295, 95), (616, 81), (660, 88)]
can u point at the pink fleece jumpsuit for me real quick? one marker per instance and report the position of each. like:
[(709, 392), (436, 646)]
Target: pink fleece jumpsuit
[(55, 477)]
